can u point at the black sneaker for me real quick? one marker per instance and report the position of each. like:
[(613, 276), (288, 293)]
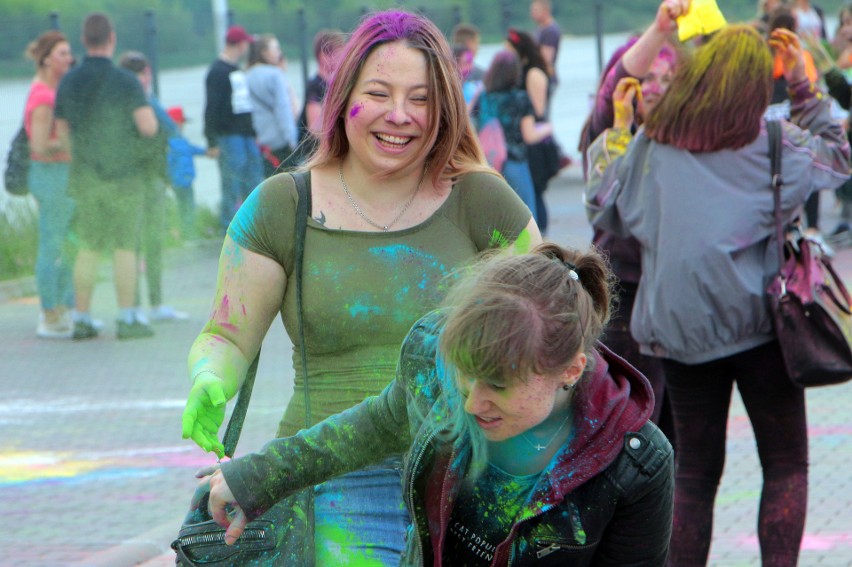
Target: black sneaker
[(134, 330), (83, 331)]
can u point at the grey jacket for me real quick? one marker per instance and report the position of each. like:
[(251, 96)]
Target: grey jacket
[(272, 108), (705, 223)]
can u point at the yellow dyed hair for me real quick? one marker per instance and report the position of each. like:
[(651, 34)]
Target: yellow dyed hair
[(718, 97)]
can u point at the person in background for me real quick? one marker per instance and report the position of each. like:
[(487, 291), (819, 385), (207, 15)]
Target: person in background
[(764, 9), (401, 195), (692, 187), (543, 156), (810, 20), (327, 44), (464, 61), (651, 60), (155, 217), (835, 69), (102, 112), (467, 35), (528, 441), (779, 106), (511, 106), (181, 168), (841, 43), (228, 124), (272, 108), (547, 35), (48, 183)]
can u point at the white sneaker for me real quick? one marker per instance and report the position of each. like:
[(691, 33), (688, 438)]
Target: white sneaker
[(58, 330), (163, 313)]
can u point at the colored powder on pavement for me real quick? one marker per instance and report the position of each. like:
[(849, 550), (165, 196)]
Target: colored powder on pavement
[(16, 468), (30, 466)]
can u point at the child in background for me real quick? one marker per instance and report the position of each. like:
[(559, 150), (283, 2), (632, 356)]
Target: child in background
[(182, 172), (470, 87)]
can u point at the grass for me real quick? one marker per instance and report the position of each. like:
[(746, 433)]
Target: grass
[(18, 238), (19, 234)]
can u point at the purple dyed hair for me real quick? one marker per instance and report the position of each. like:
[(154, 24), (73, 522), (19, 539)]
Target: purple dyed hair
[(452, 148)]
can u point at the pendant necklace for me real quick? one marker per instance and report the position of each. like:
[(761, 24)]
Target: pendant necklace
[(363, 215), (539, 446)]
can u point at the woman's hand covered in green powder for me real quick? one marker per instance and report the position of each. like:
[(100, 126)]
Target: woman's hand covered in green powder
[(204, 413)]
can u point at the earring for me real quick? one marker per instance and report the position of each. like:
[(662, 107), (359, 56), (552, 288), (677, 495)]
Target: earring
[(567, 387)]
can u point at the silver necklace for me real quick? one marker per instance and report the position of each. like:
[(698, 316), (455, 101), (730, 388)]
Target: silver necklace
[(363, 215), (539, 446)]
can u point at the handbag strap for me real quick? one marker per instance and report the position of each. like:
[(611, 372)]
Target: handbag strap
[(238, 416), (303, 211), (773, 128)]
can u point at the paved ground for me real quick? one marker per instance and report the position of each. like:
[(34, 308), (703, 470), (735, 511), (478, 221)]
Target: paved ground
[(92, 467)]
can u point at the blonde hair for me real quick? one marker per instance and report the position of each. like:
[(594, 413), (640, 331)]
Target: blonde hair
[(718, 97)]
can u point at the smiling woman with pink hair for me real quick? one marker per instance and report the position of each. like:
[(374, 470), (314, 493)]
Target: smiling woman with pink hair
[(400, 194)]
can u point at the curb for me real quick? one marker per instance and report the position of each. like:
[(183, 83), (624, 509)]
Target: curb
[(137, 550)]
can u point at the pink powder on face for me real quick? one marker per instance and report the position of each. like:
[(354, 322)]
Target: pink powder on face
[(355, 110)]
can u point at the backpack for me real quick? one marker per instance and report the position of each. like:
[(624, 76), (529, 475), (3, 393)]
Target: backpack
[(18, 164), (491, 136)]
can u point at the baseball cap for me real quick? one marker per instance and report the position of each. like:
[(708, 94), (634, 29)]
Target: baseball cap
[(176, 114), (236, 34)]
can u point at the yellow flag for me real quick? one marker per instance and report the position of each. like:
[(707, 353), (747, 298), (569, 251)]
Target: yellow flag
[(704, 17)]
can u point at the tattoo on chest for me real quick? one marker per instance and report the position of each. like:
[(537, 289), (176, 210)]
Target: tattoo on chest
[(321, 218)]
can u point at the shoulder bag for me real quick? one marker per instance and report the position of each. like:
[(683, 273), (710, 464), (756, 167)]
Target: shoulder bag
[(284, 535), (18, 165), (810, 305)]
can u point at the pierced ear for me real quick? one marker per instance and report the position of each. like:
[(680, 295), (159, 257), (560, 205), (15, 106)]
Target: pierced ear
[(576, 369)]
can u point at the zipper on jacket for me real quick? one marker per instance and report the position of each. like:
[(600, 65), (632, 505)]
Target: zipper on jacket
[(443, 500), (411, 507), (547, 547), (248, 535), (514, 532)]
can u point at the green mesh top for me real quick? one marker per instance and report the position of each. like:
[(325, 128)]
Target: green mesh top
[(364, 290)]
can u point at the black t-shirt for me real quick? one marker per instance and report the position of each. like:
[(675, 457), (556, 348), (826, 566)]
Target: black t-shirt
[(483, 516), (314, 92), (98, 100), (550, 35), (228, 108)]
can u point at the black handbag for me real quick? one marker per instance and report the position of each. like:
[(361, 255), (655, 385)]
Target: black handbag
[(284, 535), (18, 165), (810, 305)]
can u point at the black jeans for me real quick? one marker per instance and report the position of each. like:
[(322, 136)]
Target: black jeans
[(701, 396), (622, 343)]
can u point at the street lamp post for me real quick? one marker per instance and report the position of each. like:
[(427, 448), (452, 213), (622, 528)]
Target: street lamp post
[(599, 33), (220, 22)]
